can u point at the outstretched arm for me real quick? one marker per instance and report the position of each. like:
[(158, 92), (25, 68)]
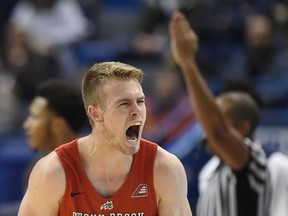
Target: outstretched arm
[(224, 140)]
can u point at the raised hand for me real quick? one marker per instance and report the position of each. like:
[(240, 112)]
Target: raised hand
[(183, 40)]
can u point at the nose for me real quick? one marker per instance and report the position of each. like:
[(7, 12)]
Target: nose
[(25, 124), (136, 109)]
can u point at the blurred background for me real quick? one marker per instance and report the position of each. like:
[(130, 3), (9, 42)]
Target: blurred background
[(243, 46)]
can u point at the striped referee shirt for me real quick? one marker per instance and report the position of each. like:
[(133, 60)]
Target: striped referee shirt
[(224, 192)]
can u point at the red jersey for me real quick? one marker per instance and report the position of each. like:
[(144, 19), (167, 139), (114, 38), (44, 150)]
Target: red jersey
[(136, 197)]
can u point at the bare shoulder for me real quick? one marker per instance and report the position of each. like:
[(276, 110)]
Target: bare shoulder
[(48, 167), (49, 174), (45, 189), (166, 161), (169, 169), (170, 183)]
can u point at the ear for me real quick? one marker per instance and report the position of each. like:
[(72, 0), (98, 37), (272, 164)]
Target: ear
[(58, 124), (95, 113), (244, 128)]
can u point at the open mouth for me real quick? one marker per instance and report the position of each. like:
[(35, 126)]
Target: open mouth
[(132, 132)]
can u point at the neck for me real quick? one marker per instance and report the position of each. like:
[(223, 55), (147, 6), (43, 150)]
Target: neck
[(94, 151)]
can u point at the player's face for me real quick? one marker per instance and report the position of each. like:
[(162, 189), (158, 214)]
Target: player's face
[(124, 115), (38, 125)]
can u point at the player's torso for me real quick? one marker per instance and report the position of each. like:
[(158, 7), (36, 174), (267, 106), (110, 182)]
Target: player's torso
[(133, 196)]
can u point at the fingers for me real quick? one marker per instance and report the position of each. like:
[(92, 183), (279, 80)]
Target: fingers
[(184, 24), (178, 24), (184, 41), (180, 27), (176, 16)]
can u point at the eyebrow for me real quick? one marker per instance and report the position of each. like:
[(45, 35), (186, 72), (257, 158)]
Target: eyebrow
[(130, 99)]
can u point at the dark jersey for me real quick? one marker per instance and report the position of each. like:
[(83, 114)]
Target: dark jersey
[(224, 192)]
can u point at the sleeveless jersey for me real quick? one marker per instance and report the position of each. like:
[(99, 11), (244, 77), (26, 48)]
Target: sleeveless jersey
[(136, 197)]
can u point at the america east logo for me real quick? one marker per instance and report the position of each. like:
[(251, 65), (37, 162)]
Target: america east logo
[(141, 191)]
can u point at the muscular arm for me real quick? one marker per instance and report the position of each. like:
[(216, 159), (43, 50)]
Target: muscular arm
[(45, 189), (225, 141), (170, 185)]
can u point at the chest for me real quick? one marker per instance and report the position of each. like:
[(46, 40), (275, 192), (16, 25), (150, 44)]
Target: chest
[(107, 185), (118, 191)]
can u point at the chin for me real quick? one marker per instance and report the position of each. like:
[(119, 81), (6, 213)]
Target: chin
[(132, 150)]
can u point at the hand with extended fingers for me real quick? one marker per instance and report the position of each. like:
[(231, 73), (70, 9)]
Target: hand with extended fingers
[(183, 40)]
